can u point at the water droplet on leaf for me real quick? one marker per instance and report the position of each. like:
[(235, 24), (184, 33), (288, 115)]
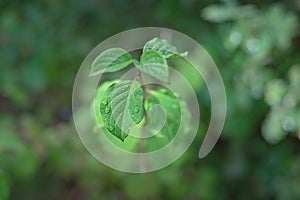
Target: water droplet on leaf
[(107, 110), (110, 128), (136, 109), (104, 102)]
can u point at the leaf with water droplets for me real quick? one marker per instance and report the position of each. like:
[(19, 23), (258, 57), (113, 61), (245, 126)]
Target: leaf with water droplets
[(99, 100), (121, 107), (111, 60), (104, 102)]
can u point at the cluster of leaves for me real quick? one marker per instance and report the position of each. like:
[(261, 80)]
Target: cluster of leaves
[(42, 45), (284, 99), (254, 40), (121, 106)]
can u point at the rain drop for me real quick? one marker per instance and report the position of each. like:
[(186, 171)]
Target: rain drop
[(104, 102), (107, 110), (110, 128), (136, 109)]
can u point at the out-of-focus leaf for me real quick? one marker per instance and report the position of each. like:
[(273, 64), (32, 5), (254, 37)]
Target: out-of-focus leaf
[(4, 188), (294, 76), (272, 130), (222, 13), (275, 91)]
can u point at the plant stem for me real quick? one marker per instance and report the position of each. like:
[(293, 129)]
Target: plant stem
[(149, 91), (145, 92), (141, 145)]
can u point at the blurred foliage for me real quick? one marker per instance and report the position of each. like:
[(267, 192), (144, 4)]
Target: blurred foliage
[(254, 43)]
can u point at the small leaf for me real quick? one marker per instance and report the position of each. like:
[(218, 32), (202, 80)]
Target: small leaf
[(219, 13), (111, 60), (122, 108), (272, 130), (163, 47), (275, 92), (154, 64)]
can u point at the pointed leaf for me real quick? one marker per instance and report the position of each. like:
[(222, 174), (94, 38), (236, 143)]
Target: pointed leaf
[(111, 60), (154, 64), (122, 107), (163, 47)]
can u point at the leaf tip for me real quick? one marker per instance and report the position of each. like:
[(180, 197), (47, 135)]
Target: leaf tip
[(93, 74)]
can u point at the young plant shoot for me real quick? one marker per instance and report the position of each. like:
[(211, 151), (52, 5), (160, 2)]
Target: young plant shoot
[(122, 104)]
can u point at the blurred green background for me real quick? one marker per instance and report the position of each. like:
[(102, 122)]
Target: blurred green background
[(256, 45)]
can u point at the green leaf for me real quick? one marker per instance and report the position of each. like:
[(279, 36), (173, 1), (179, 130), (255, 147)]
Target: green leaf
[(163, 47), (122, 107), (294, 76), (154, 64), (218, 13), (170, 103), (111, 60), (272, 129), (223, 12), (275, 92), (99, 96)]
